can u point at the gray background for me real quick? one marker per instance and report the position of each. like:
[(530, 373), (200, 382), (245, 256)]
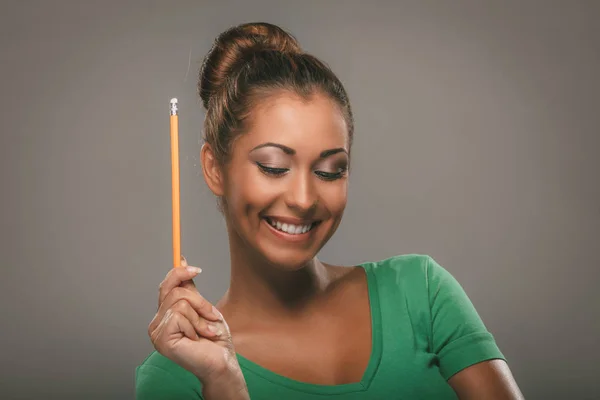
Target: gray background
[(476, 142)]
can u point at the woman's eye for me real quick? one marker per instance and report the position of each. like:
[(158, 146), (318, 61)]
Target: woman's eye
[(331, 176), (327, 176), (271, 170)]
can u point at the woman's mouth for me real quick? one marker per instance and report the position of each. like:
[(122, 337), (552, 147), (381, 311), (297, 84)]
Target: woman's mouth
[(289, 228)]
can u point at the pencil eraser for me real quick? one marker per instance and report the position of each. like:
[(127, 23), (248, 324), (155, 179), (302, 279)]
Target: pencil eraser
[(174, 100)]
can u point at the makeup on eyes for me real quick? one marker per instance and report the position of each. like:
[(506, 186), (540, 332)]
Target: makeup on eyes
[(276, 160)]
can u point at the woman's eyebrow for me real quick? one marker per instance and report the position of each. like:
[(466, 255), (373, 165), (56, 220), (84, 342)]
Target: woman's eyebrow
[(290, 151), (285, 149), (330, 152)]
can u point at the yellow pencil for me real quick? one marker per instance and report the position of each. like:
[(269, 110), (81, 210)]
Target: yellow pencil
[(175, 183)]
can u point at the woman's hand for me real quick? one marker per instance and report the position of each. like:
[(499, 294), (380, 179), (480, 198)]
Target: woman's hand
[(190, 331)]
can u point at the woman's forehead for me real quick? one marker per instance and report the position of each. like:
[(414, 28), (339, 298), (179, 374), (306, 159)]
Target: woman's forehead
[(297, 122)]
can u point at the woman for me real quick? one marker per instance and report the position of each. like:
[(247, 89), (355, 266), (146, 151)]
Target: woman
[(278, 134)]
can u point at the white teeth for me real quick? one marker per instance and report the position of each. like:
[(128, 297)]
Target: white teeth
[(289, 228)]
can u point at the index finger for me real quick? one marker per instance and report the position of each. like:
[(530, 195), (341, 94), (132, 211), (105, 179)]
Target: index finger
[(179, 276)]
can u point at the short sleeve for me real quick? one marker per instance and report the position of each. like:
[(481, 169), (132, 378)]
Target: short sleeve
[(154, 383), (459, 337)]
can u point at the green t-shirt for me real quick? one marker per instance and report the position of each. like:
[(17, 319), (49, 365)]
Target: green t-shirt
[(424, 330)]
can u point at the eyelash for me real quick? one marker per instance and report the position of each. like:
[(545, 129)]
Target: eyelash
[(327, 176)]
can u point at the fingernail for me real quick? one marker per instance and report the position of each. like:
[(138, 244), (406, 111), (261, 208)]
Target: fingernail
[(183, 261), (214, 329), (216, 312), (194, 270)]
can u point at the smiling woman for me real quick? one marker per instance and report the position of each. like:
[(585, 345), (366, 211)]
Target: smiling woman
[(288, 169), (278, 133)]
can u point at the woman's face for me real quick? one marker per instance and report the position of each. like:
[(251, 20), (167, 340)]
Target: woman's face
[(286, 183)]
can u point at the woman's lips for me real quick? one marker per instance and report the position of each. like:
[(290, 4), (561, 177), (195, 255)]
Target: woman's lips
[(284, 228)]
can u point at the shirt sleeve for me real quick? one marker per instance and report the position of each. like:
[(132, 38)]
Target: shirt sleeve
[(155, 383), (459, 337)]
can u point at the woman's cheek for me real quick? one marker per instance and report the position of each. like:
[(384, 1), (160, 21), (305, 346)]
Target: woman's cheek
[(250, 189), (335, 195)]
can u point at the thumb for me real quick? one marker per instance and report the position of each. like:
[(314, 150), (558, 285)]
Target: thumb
[(189, 284)]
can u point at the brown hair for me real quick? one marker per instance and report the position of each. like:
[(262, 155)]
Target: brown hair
[(252, 61)]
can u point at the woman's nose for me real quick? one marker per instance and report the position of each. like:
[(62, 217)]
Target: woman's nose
[(302, 193)]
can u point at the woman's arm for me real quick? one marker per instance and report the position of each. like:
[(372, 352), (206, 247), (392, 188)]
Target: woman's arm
[(469, 357), (487, 380)]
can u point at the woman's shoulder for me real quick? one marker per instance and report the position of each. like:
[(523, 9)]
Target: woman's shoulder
[(413, 272), (158, 373), (157, 360), (412, 265)]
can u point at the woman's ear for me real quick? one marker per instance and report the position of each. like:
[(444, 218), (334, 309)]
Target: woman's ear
[(213, 173)]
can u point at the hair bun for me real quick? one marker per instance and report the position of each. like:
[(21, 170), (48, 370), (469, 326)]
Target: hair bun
[(233, 45)]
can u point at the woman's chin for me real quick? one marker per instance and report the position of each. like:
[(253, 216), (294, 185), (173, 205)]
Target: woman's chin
[(288, 260)]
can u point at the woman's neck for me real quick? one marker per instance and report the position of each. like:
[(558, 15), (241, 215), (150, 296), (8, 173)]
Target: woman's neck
[(265, 291)]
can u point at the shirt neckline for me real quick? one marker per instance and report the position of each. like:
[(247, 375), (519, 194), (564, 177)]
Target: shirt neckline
[(372, 366)]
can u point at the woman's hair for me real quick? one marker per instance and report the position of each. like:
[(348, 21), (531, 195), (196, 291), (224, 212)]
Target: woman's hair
[(250, 62)]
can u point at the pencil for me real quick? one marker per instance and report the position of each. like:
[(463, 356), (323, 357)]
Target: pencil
[(175, 183)]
